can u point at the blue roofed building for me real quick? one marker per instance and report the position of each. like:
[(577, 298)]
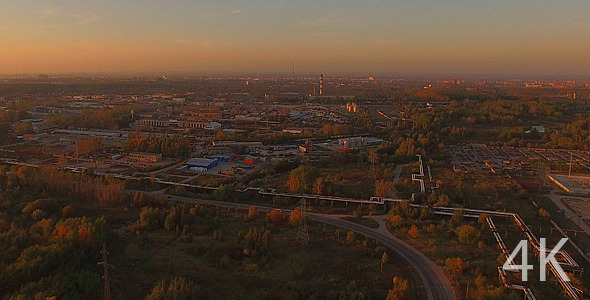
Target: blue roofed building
[(202, 163)]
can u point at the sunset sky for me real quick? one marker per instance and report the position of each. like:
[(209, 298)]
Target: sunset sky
[(339, 36)]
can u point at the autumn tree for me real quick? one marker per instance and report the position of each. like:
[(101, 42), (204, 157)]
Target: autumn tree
[(413, 232), (425, 213), (168, 145), (225, 192), (252, 212), (23, 128), (544, 214), (319, 186), (295, 217), (350, 236), (67, 211), (407, 148), (483, 218), (275, 216), (172, 219), (486, 290), (383, 188), (395, 220), (89, 145), (177, 288), (302, 178), (400, 288), (38, 214), (467, 234), (374, 159), (442, 200), (454, 266), (384, 260), (336, 129), (457, 217), (150, 217)]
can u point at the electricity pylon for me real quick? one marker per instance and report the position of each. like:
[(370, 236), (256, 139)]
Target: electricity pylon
[(106, 266), (302, 232)]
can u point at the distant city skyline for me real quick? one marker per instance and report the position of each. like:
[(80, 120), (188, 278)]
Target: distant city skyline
[(533, 37)]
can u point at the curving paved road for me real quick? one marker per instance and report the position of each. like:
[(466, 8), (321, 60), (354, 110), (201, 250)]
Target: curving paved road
[(435, 282)]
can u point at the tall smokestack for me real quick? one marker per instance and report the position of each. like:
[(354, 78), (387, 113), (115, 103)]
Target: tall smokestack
[(321, 84)]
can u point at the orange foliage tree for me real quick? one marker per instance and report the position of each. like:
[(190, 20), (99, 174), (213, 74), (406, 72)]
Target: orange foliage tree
[(275, 216), (295, 217), (252, 213)]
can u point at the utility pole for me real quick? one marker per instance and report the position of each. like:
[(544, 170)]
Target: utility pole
[(106, 266), (302, 232)]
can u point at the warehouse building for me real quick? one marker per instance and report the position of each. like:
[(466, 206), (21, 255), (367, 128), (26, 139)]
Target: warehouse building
[(202, 163)]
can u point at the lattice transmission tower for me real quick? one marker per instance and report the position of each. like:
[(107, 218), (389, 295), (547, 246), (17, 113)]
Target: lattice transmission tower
[(302, 231), (106, 266)]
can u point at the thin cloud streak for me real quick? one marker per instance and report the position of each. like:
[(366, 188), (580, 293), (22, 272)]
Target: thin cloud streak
[(226, 14), (53, 14), (317, 23)]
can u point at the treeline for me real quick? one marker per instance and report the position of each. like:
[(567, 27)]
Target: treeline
[(336, 129), (169, 146), (19, 180), (492, 112), (11, 115), (507, 122), (104, 118), (575, 135)]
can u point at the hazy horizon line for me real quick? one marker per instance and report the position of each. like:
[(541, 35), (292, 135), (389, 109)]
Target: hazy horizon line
[(287, 75)]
